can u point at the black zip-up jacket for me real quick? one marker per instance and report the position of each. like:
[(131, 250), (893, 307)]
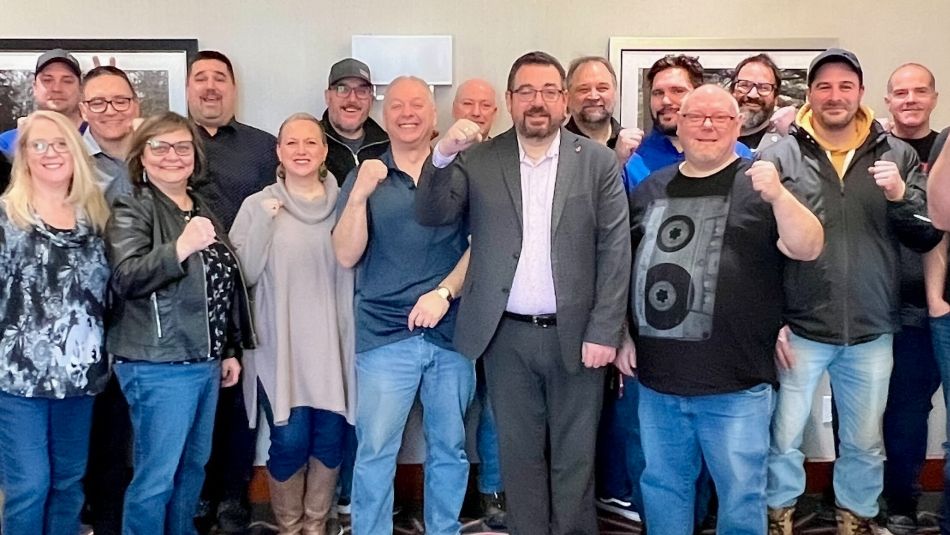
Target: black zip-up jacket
[(850, 293), (159, 306), (340, 159)]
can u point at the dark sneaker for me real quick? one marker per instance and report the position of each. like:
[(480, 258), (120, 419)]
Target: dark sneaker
[(618, 507), (901, 524), (493, 510), (233, 516)]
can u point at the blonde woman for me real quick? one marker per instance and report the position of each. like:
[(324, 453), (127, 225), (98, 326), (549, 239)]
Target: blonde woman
[(53, 280), (301, 372)]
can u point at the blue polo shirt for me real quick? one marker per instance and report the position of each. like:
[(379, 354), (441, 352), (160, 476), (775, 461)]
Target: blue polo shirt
[(402, 261), (656, 152)]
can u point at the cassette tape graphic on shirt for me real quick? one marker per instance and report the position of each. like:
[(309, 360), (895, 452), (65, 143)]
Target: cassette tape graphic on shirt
[(677, 269)]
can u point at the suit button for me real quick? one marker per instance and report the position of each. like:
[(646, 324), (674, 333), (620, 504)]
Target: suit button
[(516, 256), (504, 290)]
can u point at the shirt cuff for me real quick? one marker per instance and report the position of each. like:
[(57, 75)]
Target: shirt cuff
[(439, 160)]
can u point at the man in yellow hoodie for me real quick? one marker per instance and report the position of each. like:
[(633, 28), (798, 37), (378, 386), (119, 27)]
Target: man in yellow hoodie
[(842, 309)]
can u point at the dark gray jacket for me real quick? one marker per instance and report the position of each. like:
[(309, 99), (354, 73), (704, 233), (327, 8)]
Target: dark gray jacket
[(850, 293), (159, 309)]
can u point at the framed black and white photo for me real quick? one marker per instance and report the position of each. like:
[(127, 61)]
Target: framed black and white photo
[(632, 58), (157, 68)]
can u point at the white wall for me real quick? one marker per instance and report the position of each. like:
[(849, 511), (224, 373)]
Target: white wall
[(283, 50)]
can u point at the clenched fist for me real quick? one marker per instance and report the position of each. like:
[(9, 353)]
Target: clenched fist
[(628, 140), (888, 178), (271, 206), (371, 174), (460, 136), (197, 235), (765, 180)]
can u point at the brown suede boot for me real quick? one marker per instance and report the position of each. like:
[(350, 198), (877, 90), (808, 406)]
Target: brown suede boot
[(286, 499), (321, 484)]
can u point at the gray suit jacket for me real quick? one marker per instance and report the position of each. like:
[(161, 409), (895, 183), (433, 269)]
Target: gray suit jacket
[(590, 241)]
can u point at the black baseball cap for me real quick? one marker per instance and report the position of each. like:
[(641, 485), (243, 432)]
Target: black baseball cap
[(60, 55), (835, 55), (349, 68)]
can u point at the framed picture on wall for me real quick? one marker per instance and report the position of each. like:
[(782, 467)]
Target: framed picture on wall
[(632, 58), (157, 68)]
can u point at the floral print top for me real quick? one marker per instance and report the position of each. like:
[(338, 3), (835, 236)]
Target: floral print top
[(52, 302)]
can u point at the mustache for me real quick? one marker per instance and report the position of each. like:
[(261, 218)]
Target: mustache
[(211, 93), (537, 111), (753, 100)]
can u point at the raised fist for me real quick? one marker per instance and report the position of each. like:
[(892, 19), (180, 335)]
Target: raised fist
[(627, 142), (197, 236), (765, 180), (460, 136), (370, 175)]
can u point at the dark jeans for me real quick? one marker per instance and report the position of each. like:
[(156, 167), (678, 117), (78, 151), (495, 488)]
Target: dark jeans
[(940, 334), (914, 380), (110, 460)]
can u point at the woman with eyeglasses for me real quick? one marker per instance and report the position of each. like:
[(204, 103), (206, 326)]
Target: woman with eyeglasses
[(302, 370), (180, 315), (53, 280)]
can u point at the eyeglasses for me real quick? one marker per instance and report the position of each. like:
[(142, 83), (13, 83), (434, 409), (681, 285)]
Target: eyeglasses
[(161, 148), (362, 91), (99, 105), (527, 94), (40, 146), (744, 86), (698, 119)]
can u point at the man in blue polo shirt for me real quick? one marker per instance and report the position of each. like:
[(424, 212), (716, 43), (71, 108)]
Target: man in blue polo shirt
[(406, 278), (669, 80)]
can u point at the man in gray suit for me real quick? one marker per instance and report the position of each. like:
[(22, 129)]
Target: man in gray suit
[(546, 288)]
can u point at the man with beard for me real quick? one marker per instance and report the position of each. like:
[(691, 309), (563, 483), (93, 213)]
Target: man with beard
[(591, 95), (241, 161), (56, 87), (544, 297), (351, 135), (706, 389), (756, 86), (911, 98), (842, 308), (670, 79)]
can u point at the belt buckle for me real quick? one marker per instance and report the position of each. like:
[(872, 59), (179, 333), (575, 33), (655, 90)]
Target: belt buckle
[(540, 322)]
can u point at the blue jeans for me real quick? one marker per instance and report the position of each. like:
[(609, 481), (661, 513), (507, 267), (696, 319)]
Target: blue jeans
[(620, 459), (859, 376), (172, 408), (914, 380), (940, 333), (731, 432), (388, 379), (486, 440), (44, 444), (308, 433)]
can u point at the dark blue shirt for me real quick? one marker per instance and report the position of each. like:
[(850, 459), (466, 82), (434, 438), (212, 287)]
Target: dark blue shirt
[(402, 261), (241, 161), (656, 152)]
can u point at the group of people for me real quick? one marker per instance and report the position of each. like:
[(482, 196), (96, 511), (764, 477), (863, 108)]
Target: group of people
[(644, 317)]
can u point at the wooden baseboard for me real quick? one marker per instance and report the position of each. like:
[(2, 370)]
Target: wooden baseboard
[(409, 478)]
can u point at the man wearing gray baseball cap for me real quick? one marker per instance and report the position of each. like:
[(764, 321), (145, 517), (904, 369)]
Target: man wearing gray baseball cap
[(56, 87), (351, 135)]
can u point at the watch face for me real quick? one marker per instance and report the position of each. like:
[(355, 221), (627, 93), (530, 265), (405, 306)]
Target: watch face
[(444, 293)]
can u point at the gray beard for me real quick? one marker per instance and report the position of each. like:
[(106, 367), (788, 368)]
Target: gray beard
[(755, 121)]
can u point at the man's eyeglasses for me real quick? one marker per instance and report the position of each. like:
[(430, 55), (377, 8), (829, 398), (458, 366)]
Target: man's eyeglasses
[(744, 86), (697, 119), (40, 146), (161, 148), (362, 91), (99, 105), (527, 94)]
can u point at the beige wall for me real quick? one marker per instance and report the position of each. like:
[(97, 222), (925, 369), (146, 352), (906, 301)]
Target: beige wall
[(283, 50)]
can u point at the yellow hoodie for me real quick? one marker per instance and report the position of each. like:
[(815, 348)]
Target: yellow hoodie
[(841, 154)]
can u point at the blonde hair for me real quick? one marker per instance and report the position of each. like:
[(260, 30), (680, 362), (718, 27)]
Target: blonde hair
[(85, 195)]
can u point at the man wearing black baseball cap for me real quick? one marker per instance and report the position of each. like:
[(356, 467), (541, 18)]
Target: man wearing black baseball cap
[(841, 309), (351, 135), (56, 87)]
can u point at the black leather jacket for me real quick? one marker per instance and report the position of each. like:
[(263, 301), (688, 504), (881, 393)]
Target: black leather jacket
[(850, 293), (159, 309)]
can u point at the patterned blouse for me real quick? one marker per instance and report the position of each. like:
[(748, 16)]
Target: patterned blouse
[(52, 301), (220, 276)]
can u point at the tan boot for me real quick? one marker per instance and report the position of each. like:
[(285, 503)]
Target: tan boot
[(852, 524), (321, 484), (286, 499), (780, 521)]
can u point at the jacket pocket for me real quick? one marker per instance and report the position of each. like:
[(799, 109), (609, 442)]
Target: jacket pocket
[(158, 317)]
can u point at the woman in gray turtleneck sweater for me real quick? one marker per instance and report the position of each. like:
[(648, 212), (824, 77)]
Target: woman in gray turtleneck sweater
[(302, 369)]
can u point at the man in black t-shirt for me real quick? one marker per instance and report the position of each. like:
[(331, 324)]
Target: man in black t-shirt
[(706, 306), (911, 98)]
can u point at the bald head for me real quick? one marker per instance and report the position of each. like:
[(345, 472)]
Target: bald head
[(475, 101), (709, 127), (709, 92)]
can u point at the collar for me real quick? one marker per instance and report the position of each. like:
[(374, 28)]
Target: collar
[(91, 143), (372, 132), (615, 128), (230, 125), (553, 150)]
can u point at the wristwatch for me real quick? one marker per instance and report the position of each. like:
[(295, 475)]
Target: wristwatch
[(444, 293)]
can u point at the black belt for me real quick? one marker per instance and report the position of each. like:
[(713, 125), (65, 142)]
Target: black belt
[(542, 320)]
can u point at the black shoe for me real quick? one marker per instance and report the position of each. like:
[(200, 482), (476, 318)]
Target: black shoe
[(233, 516), (493, 510)]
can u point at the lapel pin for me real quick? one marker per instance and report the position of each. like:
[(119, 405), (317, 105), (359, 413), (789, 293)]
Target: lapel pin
[(577, 148)]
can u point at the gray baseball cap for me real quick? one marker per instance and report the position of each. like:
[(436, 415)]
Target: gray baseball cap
[(349, 68), (60, 55), (835, 55)]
